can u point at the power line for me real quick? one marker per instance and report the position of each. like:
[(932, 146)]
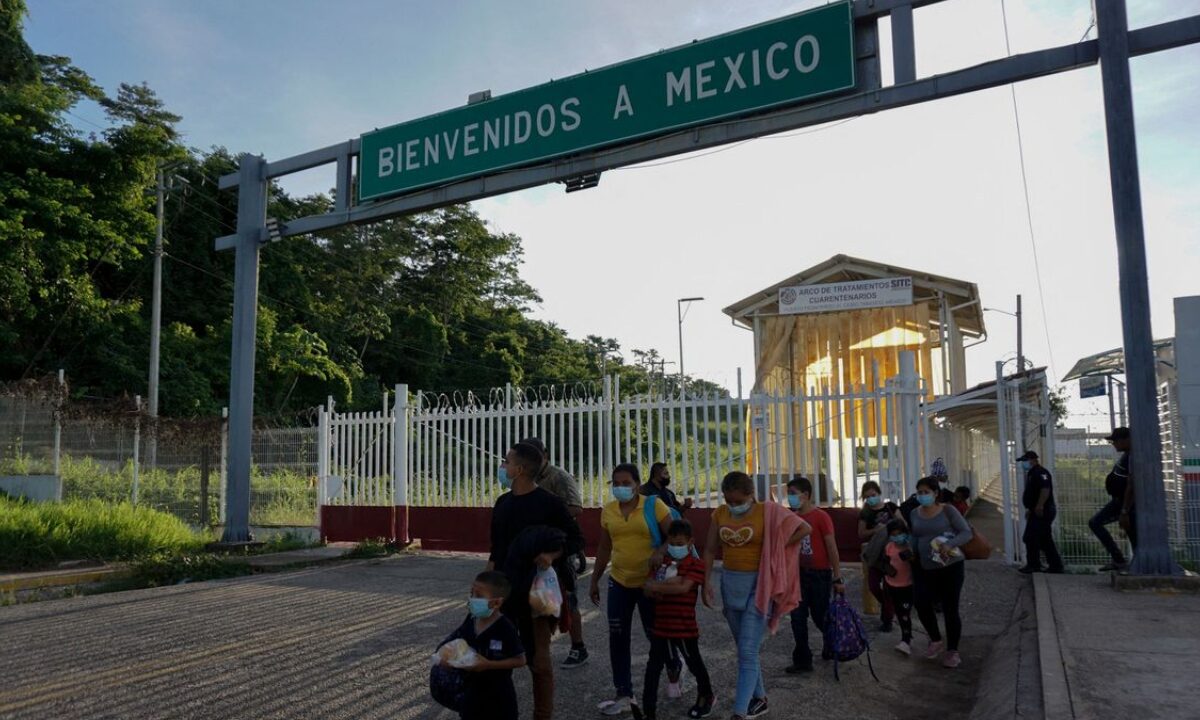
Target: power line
[(1028, 208)]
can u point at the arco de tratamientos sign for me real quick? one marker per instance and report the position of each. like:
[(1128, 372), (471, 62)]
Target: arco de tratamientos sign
[(784, 61)]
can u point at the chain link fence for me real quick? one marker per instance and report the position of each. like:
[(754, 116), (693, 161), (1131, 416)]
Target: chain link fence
[(113, 452), (1082, 462)]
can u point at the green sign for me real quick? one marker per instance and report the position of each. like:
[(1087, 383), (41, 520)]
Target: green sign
[(776, 63)]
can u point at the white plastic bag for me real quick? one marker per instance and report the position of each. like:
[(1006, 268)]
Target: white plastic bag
[(935, 547), (546, 597), (456, 653)]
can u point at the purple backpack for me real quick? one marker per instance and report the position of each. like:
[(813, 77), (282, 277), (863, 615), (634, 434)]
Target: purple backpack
[(845, 635)]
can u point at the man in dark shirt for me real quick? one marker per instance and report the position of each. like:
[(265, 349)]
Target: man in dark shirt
[(560, 482), (1038, 499), (525, 506), (1120, 503), (660, 479)]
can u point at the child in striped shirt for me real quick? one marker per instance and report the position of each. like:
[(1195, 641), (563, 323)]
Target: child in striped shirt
[(675, 586)]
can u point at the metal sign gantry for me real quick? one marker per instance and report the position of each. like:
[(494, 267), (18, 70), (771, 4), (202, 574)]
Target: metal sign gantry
[(1111, 50)]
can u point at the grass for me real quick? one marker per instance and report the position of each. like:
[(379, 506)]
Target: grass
[(278, 496), (38, 535)]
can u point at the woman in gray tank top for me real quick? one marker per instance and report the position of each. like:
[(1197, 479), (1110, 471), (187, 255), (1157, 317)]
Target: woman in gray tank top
[(937, 534)]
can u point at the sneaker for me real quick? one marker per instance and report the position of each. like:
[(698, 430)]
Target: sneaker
[(1117, 565), (758, 708), (934, 649), (798, 668), (578, 656), (616, 706), (904, 648), (885, 626), (1029, 570), (951, 660), (703, 707)]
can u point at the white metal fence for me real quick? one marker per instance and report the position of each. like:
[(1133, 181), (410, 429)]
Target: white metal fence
[(449, 448)]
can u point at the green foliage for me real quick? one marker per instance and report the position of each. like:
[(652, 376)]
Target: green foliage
[(171, 569), (375, 548), (36, 535), (434, 300)]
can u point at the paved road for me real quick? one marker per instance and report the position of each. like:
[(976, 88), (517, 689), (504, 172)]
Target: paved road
[(1127, 654), (352, 641)]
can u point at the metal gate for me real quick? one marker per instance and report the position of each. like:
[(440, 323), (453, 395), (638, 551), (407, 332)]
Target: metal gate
[(449, 447)]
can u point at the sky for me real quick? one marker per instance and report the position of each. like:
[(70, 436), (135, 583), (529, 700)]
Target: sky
[(935, 187)]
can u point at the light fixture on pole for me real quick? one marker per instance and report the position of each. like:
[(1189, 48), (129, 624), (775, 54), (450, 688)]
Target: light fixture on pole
[(679, 317)]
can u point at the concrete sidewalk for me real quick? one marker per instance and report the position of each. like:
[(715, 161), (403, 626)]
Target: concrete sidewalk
[(1118, 654)]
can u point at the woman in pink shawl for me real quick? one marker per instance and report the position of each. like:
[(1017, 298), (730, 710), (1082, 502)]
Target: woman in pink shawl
[(760, 578)]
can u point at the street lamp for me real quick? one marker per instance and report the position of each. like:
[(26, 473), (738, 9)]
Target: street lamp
[(1020, 343), (679, 316)]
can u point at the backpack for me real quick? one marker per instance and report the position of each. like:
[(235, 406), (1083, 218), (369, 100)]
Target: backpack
[(648, 512), (448, 687), (845, 635)]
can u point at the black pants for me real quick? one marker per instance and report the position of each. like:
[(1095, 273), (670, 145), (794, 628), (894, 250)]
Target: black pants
[(1111, 513), (815, 586), (902, 602), (1039, 538), (943, 585), (661, 652)]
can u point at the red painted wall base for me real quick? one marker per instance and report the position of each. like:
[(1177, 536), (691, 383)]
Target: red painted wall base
[(467, 529)]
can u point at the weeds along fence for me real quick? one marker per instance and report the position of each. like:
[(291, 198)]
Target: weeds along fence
[(114, 452)]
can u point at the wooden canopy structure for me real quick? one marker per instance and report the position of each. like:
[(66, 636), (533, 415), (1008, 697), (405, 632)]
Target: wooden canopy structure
[(842, 350)]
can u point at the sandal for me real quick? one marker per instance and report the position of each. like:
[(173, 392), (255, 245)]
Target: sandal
[(703, 707)]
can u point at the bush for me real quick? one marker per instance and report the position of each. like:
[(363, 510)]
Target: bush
[(166, 569), (35, 535)]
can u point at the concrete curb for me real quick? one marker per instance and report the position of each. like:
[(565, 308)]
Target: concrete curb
[(61, 578), (1056, 693), (1176, 583)]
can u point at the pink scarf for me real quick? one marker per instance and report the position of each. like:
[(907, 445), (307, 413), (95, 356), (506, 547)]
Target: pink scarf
[(778, 591)]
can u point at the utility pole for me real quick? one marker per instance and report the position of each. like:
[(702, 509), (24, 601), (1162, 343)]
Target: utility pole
[(156, 316), (1020, 339), (679, 317), (160, 190), (1153, 554)]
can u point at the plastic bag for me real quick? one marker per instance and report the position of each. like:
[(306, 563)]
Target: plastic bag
[(456, 653), (954, 555), (546, 597)]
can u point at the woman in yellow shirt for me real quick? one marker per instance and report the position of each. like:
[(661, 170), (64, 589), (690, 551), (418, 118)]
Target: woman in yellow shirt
[(625, 540), (740, 528)]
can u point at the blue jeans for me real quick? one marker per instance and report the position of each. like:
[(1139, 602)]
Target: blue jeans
[(621, 603), (748, 626), (815, 588)]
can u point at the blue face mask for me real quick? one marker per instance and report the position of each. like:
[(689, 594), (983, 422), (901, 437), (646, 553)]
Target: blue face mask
[(794, 501), (874, 500), (900, 539), (505, 480), (742, 509), (1025, 465), (480, 608), (926, 500), (678, 552), (622, 493)]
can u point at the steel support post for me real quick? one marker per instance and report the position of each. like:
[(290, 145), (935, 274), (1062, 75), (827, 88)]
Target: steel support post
[(1152, 556), (251, 223)]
